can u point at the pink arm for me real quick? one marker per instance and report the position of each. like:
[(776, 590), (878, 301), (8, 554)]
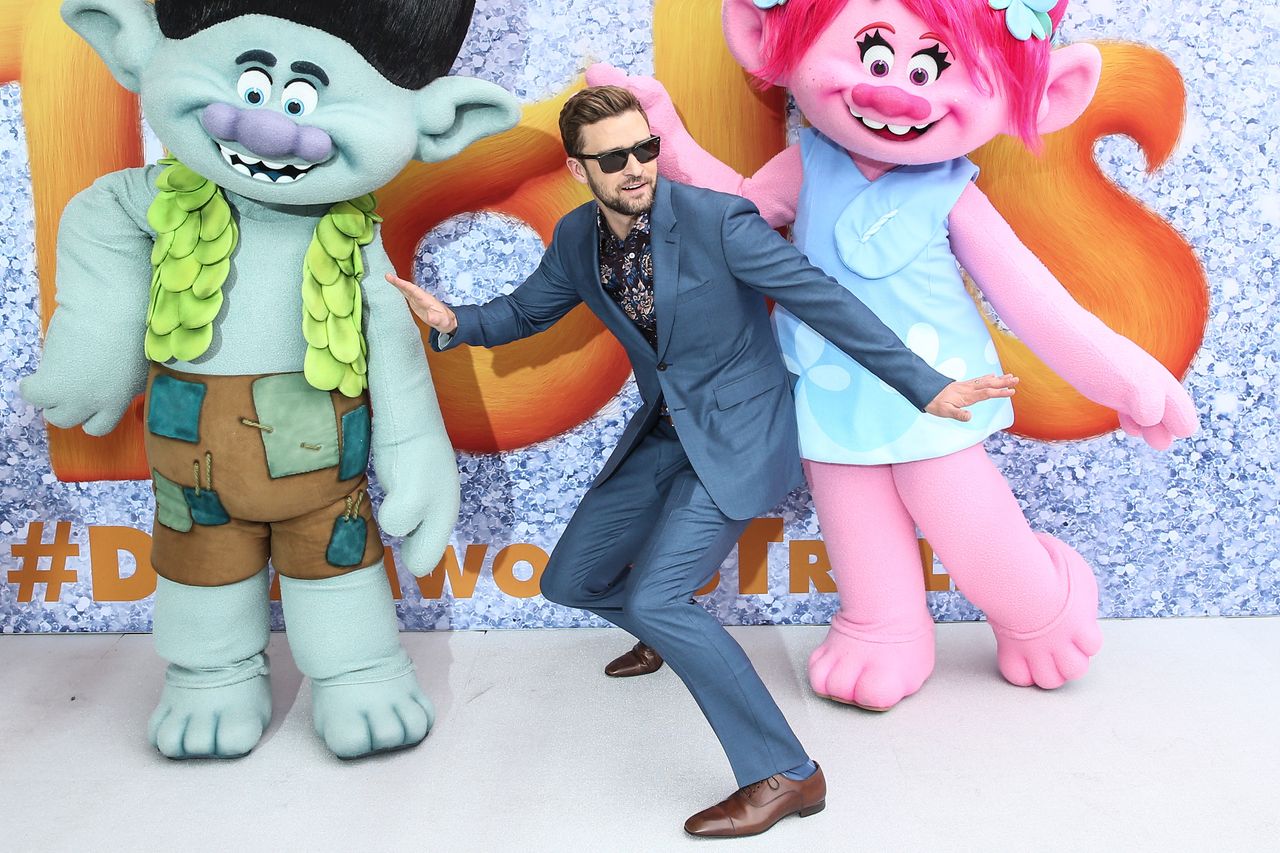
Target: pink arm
[(775, 189), (1106, 367)]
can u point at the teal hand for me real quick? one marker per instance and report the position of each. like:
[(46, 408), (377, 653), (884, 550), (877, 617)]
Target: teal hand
[(69, 398), (421, 502)]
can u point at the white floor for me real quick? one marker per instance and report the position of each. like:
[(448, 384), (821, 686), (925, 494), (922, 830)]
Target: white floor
[(1172, 742)]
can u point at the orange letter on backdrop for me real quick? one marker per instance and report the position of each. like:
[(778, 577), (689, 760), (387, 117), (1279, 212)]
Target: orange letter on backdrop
[(462, 581), (106, 544), (810, 567), (504, 570)]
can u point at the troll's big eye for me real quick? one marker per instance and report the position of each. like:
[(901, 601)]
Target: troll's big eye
[(876, 54), (927, 66), (254, 87), (299, 98)]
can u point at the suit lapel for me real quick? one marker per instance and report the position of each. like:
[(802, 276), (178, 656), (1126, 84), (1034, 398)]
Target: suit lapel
[(665, 243)]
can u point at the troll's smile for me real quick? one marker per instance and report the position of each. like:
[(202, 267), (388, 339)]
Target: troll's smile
[(895, 132), (264, 170)]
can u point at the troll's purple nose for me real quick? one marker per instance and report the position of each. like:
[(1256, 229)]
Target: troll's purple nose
[(266, 133), (890, 102)]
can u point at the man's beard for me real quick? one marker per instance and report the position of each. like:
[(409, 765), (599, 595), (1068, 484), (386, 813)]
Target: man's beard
[(619, 203)]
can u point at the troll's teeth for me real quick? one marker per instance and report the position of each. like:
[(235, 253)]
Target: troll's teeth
[(242, 169), (898, 130), (874, 125)]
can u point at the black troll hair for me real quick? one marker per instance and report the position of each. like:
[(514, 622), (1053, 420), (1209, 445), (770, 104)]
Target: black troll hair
[(409, 42)]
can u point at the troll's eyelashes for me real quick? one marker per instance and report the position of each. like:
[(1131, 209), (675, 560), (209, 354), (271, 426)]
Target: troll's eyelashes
[(927, 65), (876, 54)]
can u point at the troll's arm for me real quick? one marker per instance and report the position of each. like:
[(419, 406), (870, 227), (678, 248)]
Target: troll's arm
[(93, 363), (775, 189), (411, 450), (1106, 367)]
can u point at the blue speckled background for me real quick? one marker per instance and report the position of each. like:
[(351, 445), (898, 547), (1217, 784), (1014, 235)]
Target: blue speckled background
[(1188, 532)]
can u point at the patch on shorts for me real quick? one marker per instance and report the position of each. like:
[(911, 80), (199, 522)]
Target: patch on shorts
[(355, 443), (171, 504), (174, 408), (346, 545), (298, 425)]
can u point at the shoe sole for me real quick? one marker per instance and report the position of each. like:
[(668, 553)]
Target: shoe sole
[(632, 674), (807, 811)]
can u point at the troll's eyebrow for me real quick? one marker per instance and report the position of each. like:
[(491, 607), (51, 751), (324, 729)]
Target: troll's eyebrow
[(259, 56), (873, 40), (311, 70), (878, 25)]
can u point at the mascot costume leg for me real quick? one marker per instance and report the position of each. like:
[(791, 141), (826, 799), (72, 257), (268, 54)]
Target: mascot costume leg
[(239, 285)]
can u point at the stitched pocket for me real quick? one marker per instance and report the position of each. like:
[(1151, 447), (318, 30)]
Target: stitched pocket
[(751, 385), (298, 424)]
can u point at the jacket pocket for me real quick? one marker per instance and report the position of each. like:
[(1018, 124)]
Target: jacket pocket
[(751, 385), (696, 292)]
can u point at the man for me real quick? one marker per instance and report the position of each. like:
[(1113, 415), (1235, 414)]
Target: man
[(677, 274)]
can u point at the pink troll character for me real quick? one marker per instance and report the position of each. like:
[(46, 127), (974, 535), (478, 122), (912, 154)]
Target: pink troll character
[(881, 195)]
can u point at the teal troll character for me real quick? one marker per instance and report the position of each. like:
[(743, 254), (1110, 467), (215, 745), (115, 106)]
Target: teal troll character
[(239, 285)]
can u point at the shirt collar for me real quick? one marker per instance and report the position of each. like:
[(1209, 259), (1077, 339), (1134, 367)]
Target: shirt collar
[(639, 229)]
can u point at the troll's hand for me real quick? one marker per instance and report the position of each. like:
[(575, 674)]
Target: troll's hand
[(664, 121), (1155, 406), (80, 394), (421, 503)]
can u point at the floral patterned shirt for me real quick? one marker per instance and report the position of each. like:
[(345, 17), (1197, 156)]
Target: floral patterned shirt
[(626, 273)]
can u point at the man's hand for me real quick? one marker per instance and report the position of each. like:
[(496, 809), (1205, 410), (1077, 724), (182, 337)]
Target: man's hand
[(953, 401), (426, 307)]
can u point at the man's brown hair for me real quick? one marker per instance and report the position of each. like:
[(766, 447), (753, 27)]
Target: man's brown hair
[(590, 106)]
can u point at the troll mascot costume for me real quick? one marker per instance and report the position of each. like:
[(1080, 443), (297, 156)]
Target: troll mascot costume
[(239, 285), (880, 194)]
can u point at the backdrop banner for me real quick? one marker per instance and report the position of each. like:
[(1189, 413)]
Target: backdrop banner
[(1183, 206)]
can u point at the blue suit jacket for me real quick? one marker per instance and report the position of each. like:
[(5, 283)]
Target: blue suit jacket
[(717, 364)]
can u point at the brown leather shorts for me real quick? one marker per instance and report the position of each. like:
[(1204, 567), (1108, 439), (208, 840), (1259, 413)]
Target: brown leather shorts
[(251, 468)]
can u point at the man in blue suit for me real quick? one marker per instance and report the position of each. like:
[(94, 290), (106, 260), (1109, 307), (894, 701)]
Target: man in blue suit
[(678, 274)]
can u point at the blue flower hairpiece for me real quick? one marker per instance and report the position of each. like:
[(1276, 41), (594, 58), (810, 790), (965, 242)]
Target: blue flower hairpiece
[(1025, 19), (769, 4)]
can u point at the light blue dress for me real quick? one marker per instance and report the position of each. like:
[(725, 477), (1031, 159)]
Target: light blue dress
[(887, 242)]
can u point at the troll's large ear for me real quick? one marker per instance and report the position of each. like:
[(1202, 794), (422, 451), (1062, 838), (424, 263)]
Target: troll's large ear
[(454, 112), (1074, 71), (743, 23), (123, 32)]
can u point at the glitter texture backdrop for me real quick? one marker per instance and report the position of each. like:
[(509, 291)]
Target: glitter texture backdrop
[(1183, 533)]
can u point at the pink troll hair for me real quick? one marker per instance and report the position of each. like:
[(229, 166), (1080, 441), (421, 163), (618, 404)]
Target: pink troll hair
[(972, 29)]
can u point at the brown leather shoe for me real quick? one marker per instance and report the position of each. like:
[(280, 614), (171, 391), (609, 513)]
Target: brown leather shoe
[(641, 660), (755, 808)]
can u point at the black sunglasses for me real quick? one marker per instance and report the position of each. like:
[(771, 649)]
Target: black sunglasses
[(616, 160)]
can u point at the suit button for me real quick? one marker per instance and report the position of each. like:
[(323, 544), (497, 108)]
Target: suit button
[(662, 365)]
